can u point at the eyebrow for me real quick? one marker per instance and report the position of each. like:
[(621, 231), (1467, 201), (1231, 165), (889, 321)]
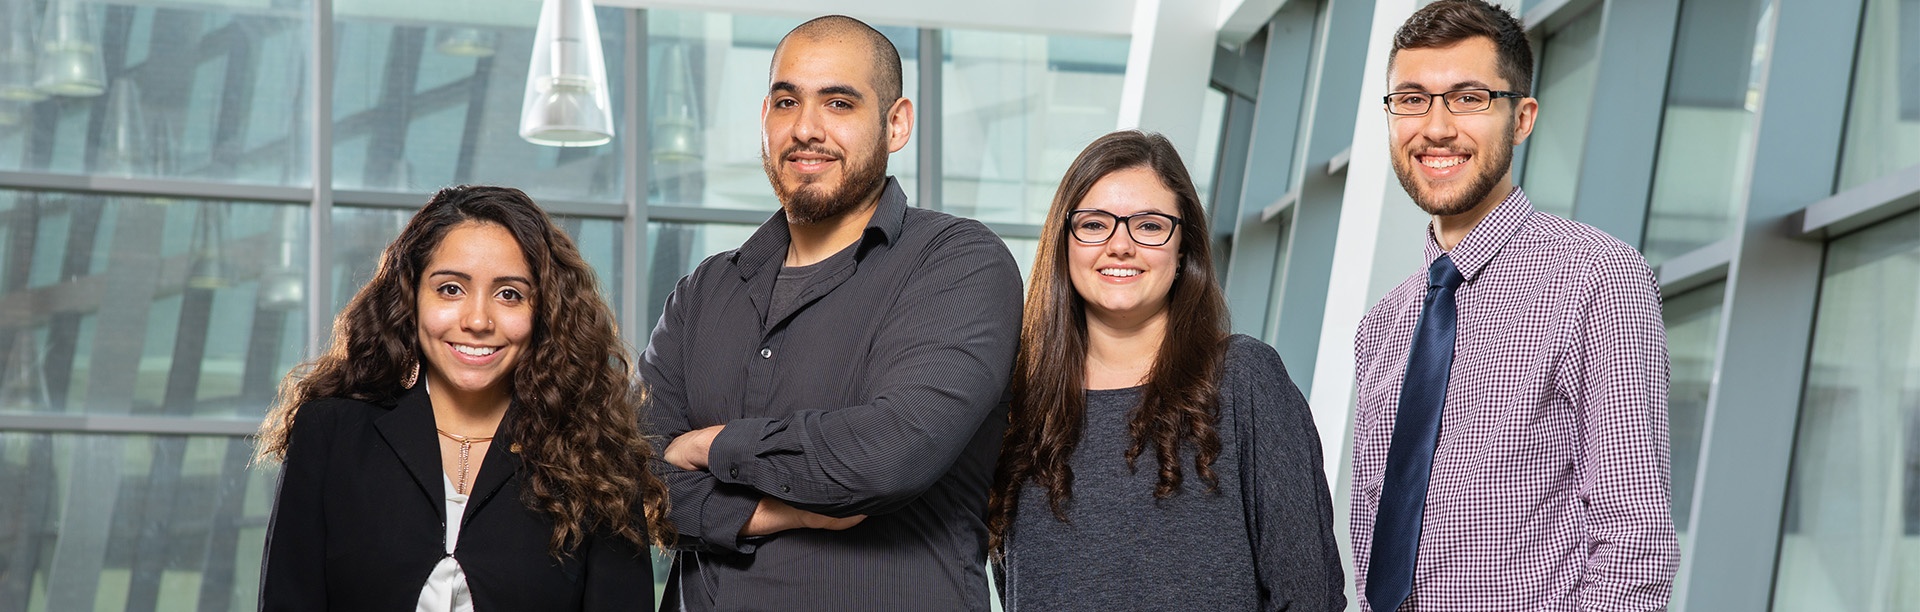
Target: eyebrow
[(469, 277), (830, 90), (1468, 84)]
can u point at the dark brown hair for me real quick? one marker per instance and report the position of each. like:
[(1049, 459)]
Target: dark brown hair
[(1447, 22), (575, 407), (1180, 403)]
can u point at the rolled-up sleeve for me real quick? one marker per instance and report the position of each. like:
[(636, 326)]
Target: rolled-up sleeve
[(940, 363)]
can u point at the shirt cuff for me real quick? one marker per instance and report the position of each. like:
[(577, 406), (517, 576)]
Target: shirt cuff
[(725, 513), (730, 457)]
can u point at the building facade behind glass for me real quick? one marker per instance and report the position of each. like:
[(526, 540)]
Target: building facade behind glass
[(171, 246)]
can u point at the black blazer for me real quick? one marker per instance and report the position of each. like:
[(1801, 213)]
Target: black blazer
[(358, 523)]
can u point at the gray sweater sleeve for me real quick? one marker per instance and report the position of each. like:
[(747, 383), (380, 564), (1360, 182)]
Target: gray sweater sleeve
[(1289, 509)]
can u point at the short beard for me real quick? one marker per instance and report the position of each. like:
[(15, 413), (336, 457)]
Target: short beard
[(1499, 161), (806, 206)]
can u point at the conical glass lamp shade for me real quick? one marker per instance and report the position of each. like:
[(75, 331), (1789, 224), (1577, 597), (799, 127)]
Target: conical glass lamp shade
[(209, 268), (676, 129), (69, 62), (17, 51), (566, 103), (125, 149)]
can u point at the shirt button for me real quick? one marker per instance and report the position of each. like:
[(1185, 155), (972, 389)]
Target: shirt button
[(786, 489), (733, 472), (766, 353)]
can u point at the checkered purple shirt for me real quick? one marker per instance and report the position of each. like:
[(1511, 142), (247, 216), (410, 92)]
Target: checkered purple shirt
[(1550, 486)]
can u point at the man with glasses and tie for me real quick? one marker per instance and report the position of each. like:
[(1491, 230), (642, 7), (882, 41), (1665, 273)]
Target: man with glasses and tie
[(1510, 436)]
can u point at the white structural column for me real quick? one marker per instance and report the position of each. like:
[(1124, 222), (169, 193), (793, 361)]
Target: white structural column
[(1168, 62)]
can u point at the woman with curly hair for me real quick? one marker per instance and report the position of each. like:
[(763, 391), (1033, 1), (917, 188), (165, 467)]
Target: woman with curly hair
[(1124, 352), (470, 439)]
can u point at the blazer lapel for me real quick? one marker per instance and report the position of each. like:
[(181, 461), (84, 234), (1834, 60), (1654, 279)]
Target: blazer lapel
[(498, 467), (408, 430)]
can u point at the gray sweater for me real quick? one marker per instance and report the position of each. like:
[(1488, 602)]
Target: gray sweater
[(1264, 541)]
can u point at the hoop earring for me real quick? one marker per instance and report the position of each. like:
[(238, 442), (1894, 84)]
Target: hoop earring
[(413, 374)]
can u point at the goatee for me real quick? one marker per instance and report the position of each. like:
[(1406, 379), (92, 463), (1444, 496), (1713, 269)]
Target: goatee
[(1498, 160), (810, 202)]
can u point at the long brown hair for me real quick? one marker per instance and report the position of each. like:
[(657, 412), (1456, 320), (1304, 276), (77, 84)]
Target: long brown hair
[(1180, 400), (576, 409)]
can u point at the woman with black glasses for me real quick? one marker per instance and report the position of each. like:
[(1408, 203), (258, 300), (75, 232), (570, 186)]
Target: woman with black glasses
[(1152, 461)]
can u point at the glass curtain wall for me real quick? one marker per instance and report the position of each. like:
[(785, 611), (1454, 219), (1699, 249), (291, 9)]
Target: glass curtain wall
[(1693, 338), (1705, 158), (1569, 61), (1883, 119), (1851, 539)]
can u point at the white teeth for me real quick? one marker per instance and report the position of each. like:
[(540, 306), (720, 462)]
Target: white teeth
[(1443, 162), (1121, 272), (475, 351)]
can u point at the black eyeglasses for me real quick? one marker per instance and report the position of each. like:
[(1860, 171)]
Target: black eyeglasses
[(1095, 226), (1458, 101)]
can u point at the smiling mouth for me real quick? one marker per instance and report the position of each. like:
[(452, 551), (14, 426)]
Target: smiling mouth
[(475, 351), (1442, 162), (1119, 272)]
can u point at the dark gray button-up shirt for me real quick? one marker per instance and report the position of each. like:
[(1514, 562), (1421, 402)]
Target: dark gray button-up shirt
[(880, 393)]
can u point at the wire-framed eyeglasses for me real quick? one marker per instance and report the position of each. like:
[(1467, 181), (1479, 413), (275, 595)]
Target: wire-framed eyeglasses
[(1458, 101), (1095, 226)]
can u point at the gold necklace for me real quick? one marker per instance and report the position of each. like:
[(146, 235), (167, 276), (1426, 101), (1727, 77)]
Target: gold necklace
[(466, 449)]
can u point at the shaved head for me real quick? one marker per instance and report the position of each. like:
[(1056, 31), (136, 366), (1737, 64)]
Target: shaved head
[(839, 28)]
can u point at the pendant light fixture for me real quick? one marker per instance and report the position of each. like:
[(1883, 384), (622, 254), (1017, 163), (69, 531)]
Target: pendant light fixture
[(69, 62), (125, 148), (17, 50), (566, 103), (676, 128)]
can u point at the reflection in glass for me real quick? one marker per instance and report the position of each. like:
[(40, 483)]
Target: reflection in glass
[(151, 307), (1883, 121), (1569, 62), (222, 91), (1017, 109), (136, 522), (1706, 136), (17, 52), (1851, 539), (69, 62), (1206, 159), (725, 59), (676, 248), (417, 117), (1693, 333), (124, 150)]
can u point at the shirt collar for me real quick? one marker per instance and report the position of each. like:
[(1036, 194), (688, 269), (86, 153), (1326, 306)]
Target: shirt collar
[(772, 238), (1485, 239)]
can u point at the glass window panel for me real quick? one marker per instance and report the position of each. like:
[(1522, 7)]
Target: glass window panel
[(1706, 136), (131, 522), (1018, 108), (706, 79), (1693, 335), (1569, 61), (147, 306), (675, 249), (1851, 539), (422, 100), (1883, 121), (361, 234), (1206, 159), (191, 90)]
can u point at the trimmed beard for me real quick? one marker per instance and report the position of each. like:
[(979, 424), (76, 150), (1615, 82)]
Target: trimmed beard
[(809, 203), (1499, 161)]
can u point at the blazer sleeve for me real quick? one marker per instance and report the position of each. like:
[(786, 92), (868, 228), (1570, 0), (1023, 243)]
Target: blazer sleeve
[(293, 565), (1290, 512)]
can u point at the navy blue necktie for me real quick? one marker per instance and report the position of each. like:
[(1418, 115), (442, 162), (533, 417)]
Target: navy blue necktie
[(1416, 430)]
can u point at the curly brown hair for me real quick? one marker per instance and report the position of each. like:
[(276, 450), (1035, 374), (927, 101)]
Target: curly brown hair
[(576, 407), (1180, 404)]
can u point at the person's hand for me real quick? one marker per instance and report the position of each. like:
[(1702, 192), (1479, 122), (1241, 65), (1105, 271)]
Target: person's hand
[(689, 451), (774, 516)]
